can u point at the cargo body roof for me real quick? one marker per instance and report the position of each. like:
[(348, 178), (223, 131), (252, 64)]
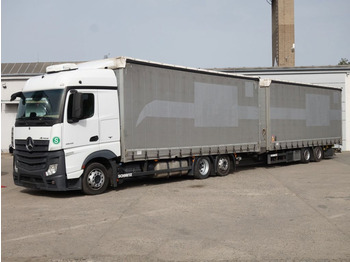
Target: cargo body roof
[(120, 62)]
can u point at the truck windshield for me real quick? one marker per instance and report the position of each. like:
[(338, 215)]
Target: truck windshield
[(40, 108)]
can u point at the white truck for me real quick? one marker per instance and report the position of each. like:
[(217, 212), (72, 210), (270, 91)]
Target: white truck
[(91, 125)]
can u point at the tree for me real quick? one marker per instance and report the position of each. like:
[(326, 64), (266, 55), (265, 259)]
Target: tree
[(344, 61)]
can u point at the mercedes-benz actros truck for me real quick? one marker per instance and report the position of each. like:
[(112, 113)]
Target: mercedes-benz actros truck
[(91, 125)]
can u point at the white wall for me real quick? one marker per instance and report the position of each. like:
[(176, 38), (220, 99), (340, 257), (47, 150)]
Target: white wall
[(346, 111), (9, 85), (8, 114)]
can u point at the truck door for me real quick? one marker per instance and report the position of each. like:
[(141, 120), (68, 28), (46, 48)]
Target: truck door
[(81, 138)]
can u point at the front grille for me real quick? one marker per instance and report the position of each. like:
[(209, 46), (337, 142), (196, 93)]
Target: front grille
[(39, 145), (34, 159)]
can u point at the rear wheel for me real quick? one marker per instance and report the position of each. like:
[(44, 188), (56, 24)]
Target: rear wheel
[(95, 179), (202, 168), (318, 154), (305, 155), (223, 165)]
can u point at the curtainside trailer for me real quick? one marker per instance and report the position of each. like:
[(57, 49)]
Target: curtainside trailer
[(90, 125)]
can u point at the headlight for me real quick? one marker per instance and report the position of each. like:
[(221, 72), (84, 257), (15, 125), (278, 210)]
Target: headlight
[(51, 170)]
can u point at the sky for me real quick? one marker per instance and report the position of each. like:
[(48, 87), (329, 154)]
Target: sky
[(194, 33)]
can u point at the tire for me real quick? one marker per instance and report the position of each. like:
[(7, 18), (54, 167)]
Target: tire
[(305, 155), (95, 179), (223, 165), (318, 154), (202, 168)]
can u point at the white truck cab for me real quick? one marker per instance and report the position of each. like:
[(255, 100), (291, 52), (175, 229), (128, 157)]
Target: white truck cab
[(65, 117)]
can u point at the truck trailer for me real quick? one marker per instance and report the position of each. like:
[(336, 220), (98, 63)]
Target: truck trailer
[(92, 125)]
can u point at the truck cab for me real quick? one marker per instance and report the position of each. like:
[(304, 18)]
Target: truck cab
[(66, 119)]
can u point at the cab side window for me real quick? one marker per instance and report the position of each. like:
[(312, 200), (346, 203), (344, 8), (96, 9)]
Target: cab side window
[(88, 105)]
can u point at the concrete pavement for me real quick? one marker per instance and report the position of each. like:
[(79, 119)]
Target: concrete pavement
[(298, 212)]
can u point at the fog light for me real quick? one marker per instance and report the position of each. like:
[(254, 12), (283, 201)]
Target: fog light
[(51, 170)]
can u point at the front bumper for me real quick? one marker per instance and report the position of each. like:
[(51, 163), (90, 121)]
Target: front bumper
[(29, 171)]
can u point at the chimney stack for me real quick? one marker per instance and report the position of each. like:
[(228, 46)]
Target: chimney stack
[(283, 45)]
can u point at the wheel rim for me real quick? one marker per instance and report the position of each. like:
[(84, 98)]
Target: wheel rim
[(307, 154), (96, 179), (203, 167), (223, 164), (318, 153)]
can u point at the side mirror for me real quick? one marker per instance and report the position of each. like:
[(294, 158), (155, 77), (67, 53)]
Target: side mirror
[(18, 94), (76, 107)]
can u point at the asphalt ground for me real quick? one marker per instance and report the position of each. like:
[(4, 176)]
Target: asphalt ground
[(295, 212)]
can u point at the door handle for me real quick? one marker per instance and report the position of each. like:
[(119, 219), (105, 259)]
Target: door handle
[(93, 138)]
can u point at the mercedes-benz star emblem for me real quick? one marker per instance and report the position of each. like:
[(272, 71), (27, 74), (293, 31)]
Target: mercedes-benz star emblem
[(30, 144)]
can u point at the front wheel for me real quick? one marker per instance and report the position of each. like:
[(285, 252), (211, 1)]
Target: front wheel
[(202, 168), (95, 179)]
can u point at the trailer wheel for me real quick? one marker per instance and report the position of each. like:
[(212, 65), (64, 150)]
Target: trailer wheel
[(223, 165), (305, 155), (318, 154), (202, 168), (95, 179)]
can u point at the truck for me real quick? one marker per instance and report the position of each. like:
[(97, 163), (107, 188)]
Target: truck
[(92, 125)]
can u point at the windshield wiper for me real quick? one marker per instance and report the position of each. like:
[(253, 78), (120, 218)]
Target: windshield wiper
[(23, 119), (47, 121)]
